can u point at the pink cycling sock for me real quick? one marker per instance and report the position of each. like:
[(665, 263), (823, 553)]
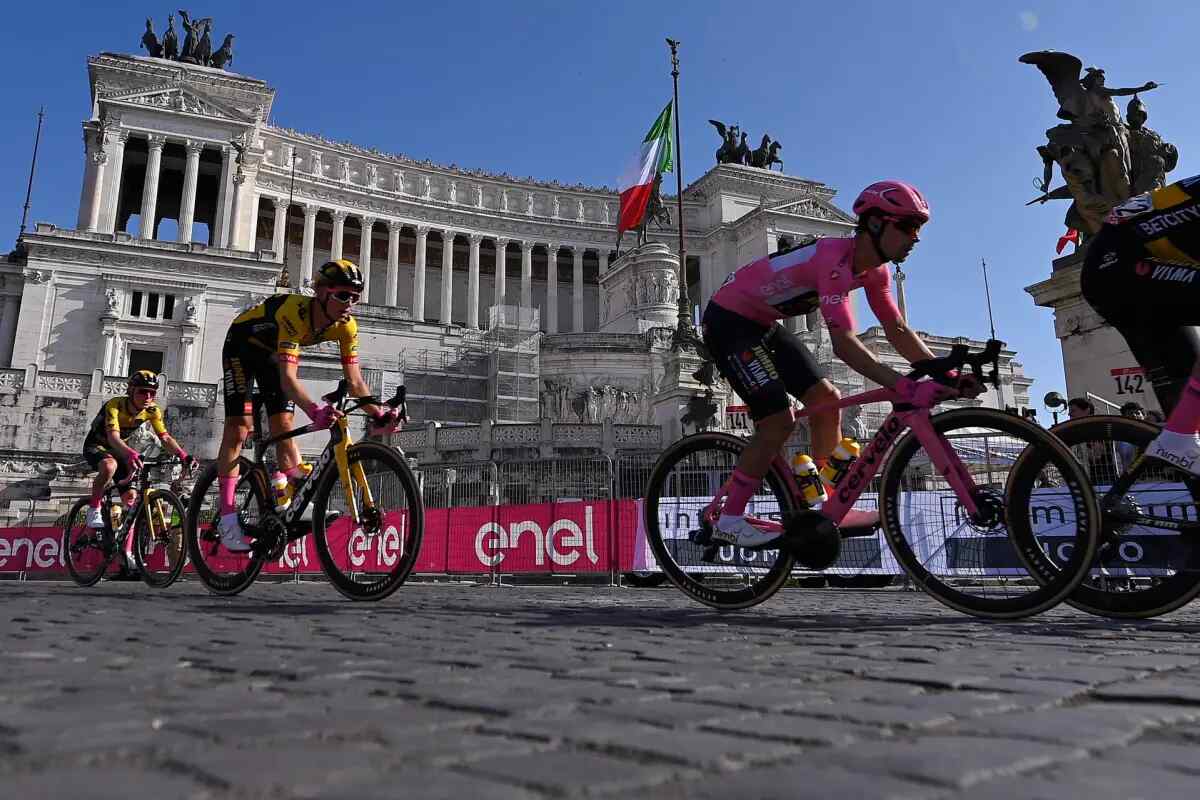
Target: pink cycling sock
[(1186, 416), (297, 471), (97, 499), (228, 487), (741, 488)]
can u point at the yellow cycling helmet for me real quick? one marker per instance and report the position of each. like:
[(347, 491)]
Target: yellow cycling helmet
[(144, 379), (341, 272)]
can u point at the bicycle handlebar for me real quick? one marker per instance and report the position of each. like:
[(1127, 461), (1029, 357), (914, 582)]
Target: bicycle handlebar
[(960, 356)]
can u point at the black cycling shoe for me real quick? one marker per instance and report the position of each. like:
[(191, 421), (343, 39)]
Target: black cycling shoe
[(125, 574)]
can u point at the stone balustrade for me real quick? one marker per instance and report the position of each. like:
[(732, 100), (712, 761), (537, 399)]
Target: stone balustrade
[(432, 443)]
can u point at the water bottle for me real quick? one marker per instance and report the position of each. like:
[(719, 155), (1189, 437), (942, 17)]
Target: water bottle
[(282, 490), (808, 478), (839, 463)]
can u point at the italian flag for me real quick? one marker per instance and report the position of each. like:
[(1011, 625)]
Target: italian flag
[(637, 180)]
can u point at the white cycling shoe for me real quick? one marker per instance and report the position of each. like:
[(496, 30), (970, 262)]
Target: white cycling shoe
[(95, 518), (232, 537), (1180, 450), (737, 531)]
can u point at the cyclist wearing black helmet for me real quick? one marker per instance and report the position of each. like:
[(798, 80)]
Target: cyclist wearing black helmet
[(263, 346), (104, 446)]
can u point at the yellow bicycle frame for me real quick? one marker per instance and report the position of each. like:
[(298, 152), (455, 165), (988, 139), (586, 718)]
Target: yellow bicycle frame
[(351, 475)]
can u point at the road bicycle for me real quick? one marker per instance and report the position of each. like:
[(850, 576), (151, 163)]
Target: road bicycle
[(155, 520), (984, 510), (1148, 559), (367, 517)]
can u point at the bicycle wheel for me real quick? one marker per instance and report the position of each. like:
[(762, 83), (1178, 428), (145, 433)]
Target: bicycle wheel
[(1031, 495), (160, 556), (683, 482), (87, 551), (370, 559), (1141, 570), (222, 571)]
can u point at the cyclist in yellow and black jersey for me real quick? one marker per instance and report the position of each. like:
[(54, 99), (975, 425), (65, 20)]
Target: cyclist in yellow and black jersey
[(263, 347), (1142, 275), (105, 449)]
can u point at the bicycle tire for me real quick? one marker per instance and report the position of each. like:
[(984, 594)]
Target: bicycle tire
[(704, 583), (408, 523), (1049, 583), (78, 539), (1163, 595), (201, 539), (156, 572), (643, 580)]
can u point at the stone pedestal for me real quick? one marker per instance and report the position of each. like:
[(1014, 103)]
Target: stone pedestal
[(640, 291)]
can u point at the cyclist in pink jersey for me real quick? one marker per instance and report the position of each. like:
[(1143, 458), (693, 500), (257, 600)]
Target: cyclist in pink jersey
[(764, 362)]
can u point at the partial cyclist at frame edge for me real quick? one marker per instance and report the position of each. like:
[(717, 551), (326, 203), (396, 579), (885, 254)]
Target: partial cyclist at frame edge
[(764, 362), (1140, 275), (263, 347), (104, 447)]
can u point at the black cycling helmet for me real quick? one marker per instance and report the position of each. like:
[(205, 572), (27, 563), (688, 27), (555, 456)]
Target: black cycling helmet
[(341, 272), (144, 379)]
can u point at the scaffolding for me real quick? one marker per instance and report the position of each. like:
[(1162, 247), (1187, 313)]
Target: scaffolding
[(491, 374)]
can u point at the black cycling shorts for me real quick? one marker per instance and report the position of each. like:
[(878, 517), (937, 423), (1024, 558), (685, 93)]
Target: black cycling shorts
[(763, 363), (95, 450), (243, 366), (1154, 304)]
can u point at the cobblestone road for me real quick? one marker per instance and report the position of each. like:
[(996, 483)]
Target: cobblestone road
[(462, 691)]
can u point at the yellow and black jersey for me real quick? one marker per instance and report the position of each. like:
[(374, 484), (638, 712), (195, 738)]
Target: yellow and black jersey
[(282, 324), (118, 415), (1165, 221)]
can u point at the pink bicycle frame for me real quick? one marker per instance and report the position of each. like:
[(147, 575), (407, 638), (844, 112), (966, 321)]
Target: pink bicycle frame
[(848, 489)]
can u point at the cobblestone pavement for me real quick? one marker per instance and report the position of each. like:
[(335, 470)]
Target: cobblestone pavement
[(463, 691)]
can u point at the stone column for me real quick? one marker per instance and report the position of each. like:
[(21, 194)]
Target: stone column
[(392, 281), (222, 223), (552, 287), (97, 159), (364, 255), (501, 273), (150, 189), (339, 227), (279, 237), (577, 292), (447, 276), (110, 342), (112, 194), (93, 172), (306, 252), (187, 347), (8, 328), (187, 205), (473, 282), (527, 274), (418, 309)]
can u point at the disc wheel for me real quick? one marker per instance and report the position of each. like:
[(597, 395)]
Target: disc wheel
[(1145, 570), (1031, 497), (160, 555), (87, 551), (682, 484), (222, 571), (370, 558)]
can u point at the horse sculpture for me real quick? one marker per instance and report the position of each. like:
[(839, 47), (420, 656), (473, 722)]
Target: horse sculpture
[(766, 154)]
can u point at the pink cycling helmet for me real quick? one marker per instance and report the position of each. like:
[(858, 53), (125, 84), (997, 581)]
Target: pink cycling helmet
[(893, 199)]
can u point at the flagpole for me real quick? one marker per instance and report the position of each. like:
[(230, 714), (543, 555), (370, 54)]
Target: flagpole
[(32, 166), (685, 334), (988, 293)]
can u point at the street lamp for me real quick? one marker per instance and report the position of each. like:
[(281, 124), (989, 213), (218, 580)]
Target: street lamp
[(1055, 402)]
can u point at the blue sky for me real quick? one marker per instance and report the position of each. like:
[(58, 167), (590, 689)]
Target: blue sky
[(857, 91)]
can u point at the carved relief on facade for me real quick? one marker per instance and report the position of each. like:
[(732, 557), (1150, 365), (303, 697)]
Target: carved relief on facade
[(564, 400)]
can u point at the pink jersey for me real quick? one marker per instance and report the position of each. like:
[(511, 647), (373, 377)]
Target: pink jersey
[(818, 275)]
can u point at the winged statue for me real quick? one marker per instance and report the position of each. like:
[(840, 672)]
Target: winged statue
[(1092, 147), (727, 152)]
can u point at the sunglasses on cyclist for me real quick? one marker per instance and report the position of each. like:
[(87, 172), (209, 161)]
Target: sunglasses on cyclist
[(908, 226), (147, 392), (349, 298)]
